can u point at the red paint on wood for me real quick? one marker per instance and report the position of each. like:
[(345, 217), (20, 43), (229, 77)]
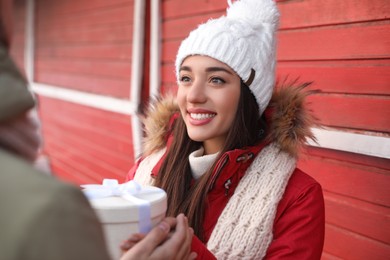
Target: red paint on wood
[(181, 27), (98, 34), (355, 76), (93, 84), (327, 256), (367, 184), (168, 73), (328, 43), (98, 137), (293, 13), (349, 245), (117, 51), (353, 158), (69, 174), (66, 7), (85, 159), (352, 111), (115, 15), (323, 12), (100, 68), (109, 122), (359, 41), (174, 9), (357, 215), (169, 51)]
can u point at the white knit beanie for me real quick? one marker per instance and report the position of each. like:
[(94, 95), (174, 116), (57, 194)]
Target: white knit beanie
[(245, 40)]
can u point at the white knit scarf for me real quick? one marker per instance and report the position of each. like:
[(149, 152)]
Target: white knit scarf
[(244, 229)]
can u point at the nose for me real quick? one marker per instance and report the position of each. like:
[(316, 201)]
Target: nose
[(197, 92)]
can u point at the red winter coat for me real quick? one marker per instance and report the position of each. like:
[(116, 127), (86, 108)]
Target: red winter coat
[(298, 230)]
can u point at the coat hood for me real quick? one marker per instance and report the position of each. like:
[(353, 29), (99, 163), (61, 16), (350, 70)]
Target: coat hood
[(289, 120)]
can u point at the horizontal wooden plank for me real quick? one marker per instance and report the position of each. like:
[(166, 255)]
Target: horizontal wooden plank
[(94, 84), (353, 158), (119, 145), (70, 174), (364, 183), (102, 68), (327, 256), (117, 51), (113, 16), (175, 9), (322, 43), (357, 41), (293, 13), (114, 146), (168, 74), (97, 35), (358, 216), (76, 150), (66, 7), (349, 245), (84, 157), (352, 111), (169, 88), (354, 76), (181, 27), (113, 123), (324, 12), (169, 51), (77, 173)]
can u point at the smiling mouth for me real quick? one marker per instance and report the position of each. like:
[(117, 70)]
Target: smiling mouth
[(201, 116)]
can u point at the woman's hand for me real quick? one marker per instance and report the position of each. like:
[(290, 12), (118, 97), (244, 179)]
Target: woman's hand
[(161, 242)]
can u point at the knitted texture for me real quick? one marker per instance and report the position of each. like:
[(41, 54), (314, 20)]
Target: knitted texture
[(245, 40), (200, 163), (244, 229), (144, 170)]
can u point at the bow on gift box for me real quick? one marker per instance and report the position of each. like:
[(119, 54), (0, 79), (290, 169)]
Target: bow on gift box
[(128, 191)]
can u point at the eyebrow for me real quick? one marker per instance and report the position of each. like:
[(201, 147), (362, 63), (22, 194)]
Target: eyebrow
[(209, 69)]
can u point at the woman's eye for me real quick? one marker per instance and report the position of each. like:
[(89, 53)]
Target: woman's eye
[(217, 81), (184, 79)]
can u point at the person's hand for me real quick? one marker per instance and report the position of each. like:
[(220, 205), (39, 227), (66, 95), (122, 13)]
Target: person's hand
[(160, 243), (22, 135)]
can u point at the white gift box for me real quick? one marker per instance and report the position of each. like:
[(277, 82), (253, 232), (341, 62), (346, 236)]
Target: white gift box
[(124, 209)]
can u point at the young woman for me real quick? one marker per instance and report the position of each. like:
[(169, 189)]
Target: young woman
[(226, 153)]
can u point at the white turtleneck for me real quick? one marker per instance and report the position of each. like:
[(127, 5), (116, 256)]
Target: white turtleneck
[(200, 163)]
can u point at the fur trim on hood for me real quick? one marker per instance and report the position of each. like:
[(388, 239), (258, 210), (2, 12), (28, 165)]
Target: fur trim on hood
[(289, 120)]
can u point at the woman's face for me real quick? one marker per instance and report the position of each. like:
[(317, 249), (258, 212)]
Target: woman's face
[(208, 96)]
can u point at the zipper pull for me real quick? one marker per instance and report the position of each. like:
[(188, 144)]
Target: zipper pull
[(227, 186)]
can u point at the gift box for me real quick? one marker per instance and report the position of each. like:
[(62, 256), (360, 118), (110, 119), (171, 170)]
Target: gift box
[(124, 209)]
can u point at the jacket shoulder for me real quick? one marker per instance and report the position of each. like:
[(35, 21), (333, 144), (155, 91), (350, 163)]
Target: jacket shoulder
[(39, 211), (300, 187)]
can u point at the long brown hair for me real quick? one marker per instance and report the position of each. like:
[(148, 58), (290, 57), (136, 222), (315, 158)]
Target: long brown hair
[(175, 174)]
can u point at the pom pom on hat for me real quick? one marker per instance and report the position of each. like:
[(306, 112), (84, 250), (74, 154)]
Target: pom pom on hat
[(254, 12), (245, 40)]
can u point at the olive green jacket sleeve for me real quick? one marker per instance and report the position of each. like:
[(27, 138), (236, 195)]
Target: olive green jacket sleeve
[(14, 95), (43, 218)]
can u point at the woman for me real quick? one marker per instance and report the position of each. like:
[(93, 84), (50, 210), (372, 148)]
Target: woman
[(226, 153)]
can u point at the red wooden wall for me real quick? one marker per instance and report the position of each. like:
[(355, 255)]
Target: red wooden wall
[(86, 46), (344, 48)]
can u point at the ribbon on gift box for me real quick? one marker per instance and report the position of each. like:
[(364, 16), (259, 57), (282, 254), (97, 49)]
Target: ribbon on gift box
[(128, 191)]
